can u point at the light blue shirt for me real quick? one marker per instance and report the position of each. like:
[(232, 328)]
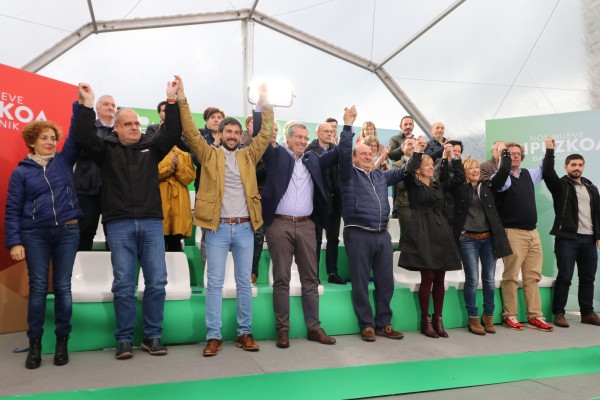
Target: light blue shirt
[(535, 173), (297, 200)]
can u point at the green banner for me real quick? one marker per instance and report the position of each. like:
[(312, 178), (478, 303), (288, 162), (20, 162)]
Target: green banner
[(576, 132)]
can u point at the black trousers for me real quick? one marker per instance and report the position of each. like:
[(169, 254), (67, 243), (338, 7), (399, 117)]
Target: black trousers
[(582, 251), (88, 223), (332, 233)]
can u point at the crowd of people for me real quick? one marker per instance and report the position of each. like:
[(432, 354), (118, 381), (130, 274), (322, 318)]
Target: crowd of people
[(453, 214)]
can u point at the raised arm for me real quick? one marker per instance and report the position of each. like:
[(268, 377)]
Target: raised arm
[(548, 172), (70, 150), (84, 132), (198, 146), (263, 140), (170, 133), (345, 146), (499, 178)]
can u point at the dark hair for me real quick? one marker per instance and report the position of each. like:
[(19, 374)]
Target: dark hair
[(228, 121), (331, 120), (457, 142), (406, 116), (572, 157), (162, 103), (210, 111), (32, 131)]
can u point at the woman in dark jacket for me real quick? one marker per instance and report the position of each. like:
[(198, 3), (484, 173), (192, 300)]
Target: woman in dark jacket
[(428, 246), (41, 226), (480, 235)]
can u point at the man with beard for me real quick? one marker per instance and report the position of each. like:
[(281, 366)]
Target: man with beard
[(228, 208), (577, 230)]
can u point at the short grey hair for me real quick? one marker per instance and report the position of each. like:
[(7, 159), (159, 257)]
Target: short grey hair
[(102, 97), (291, 125)]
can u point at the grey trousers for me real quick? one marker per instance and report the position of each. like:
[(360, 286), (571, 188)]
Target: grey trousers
[(289, 240)]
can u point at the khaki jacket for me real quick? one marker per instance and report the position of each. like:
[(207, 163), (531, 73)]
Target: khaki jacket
[(177, 212), (209, 197)]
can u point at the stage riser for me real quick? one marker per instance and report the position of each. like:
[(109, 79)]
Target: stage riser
[(94, 323)]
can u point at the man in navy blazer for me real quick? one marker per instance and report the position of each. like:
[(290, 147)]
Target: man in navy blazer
[(292, 200)]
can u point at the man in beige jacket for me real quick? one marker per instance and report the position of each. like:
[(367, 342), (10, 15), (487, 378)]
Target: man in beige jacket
[(228, 207)]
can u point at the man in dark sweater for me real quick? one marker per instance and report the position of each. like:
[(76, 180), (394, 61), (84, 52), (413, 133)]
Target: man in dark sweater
[(516, 206), (322, 144), (86, 176), (577, 230)]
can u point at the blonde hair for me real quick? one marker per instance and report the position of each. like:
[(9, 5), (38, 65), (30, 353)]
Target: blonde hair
[(365, 125), (424, 158)]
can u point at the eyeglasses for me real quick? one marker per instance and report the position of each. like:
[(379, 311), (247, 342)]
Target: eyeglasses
[(515, 154), (130, 124)]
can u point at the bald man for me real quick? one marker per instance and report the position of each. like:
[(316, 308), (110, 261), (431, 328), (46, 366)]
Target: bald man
[(323, 144), (435, 147)]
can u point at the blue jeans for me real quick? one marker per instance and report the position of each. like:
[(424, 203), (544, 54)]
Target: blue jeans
[(568, 251), (471, 251), (131, 240), (239, 238), (59, 244)]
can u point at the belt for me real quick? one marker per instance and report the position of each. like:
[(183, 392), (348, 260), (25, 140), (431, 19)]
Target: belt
[(234, 221), (473, 235), (70, 222), (291, 218)]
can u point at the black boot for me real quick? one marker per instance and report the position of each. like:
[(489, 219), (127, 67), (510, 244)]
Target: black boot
[(427, 328), (34, 357), (61, 353), (439, 326)]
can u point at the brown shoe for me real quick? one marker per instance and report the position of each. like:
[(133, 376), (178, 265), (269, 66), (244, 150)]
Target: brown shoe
[(283, 340), (438, 325), (475, 327), (368, 334), (320, 336), (213, 346), (246, 342), (488, 323), (253, 278), (427, 327), (591, 319), (389, 333), (561, 321)]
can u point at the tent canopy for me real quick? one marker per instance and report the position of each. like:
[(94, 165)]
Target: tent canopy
[(460, 62)]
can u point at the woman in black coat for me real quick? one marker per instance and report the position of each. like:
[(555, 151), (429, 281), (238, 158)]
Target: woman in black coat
[(480, 235), (428, 246)]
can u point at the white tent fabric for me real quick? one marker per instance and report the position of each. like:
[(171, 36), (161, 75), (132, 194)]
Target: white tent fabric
[(460, 62)]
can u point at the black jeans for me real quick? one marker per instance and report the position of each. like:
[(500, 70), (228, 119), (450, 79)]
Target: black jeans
[(332, 233), (568, 251)]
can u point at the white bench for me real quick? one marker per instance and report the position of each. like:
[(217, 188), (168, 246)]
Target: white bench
[(295, 285), (178, 278), (92, 277), (406, 278)]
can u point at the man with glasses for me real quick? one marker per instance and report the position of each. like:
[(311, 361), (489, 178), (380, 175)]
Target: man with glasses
[(516, 206), (293, 200), (132, 212)]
